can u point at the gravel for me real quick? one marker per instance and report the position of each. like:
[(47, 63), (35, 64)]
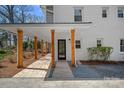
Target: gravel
[(98, 72)]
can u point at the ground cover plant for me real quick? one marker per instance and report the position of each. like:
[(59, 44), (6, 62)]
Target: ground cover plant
[(99, 53)]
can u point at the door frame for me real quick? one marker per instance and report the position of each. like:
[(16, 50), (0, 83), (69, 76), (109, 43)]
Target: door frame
[(64, 47)]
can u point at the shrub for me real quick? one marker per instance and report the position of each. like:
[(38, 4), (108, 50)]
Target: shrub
[(99, 53), (38, 45), (5, 53), (10, 52), (2, 52), (2, 56), (25, 45), (31, 45), (28, 45)]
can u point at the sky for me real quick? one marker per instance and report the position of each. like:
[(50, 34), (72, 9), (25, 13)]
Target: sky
[(38, 11)]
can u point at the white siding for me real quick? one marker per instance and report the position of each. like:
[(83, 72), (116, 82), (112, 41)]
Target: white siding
[(111, 29)]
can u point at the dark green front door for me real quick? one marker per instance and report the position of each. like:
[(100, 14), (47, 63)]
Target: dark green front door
[(61, 49)]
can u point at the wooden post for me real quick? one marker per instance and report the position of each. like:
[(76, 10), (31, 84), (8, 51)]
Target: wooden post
[(35, 48), (42, 48), (20, 48), (52, 48), (46, 47), (73, 46)]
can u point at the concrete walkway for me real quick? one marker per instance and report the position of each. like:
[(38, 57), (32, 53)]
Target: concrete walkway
[(36, 69), (38, 83), (62, 71)]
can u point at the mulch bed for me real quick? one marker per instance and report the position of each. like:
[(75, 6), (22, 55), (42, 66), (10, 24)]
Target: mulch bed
[(100, 62), (8, 69)]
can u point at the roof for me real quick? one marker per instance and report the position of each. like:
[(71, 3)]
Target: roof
[(47, 23), (42, 30)]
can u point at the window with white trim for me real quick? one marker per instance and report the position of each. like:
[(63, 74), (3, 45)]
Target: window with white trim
[(120, 12), (99, 42), (105, 12), (122, 45), (78, 44), (78, 14)]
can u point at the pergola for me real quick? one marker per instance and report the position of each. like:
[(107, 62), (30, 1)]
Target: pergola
[(42, 31)]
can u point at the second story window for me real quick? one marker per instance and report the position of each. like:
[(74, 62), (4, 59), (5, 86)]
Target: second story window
[(120, 12), (104, 12), (49, 7), (77, 14)]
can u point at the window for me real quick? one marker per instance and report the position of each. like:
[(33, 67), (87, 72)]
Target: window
[(49, 17), (9, 36), (104, 12), (49, 7), (120, 12), (77, 15), (99, 42), (78, 44), (122, 45)]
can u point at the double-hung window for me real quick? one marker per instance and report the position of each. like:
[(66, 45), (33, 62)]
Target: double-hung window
[(78, 14), (99, 42), (78, 44), (121, 12), (104, 12), (122, 45)]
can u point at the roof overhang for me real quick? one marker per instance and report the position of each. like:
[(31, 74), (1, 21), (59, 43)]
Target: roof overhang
[(43, 29)]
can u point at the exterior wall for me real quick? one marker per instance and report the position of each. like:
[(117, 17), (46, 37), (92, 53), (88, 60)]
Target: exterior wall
[(111, 29), (48, 12), (63, 35), (63, 13)]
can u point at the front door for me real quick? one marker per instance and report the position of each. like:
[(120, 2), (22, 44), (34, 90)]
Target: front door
[(61, 49)]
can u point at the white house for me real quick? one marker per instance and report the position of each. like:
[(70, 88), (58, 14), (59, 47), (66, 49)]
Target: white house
[(90, 25)]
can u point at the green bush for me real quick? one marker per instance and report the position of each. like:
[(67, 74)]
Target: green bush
[(99, 53), (28, 45), (5, 53), (9, 52), (31, 45), (38, 45), (25, 45), (2, 56), (2, 52)]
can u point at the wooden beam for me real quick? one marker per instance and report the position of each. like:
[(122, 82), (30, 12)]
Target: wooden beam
[(73, 46), (46, 47), (20, 48), (42, 48), (35, 48), (49, 48), (53, 48)]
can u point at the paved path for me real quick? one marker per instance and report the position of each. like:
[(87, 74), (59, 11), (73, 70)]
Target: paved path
[(38, 83), (36, 69), (62, 71)]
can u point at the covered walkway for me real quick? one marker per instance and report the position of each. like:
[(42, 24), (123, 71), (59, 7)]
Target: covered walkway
[(36, 69), (47, 34), (62, 71)]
